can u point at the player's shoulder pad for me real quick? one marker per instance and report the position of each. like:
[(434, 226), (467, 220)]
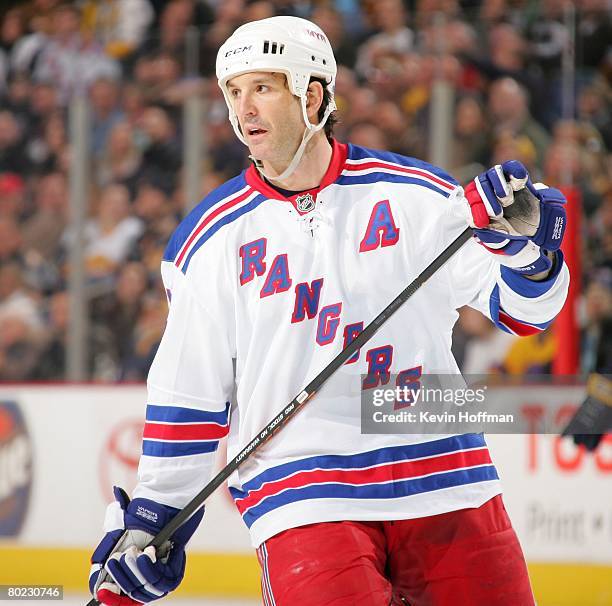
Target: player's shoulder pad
[(204, 219), (365, 165)]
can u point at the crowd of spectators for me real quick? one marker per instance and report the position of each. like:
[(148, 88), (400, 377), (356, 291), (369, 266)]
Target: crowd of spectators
[(138, 60)]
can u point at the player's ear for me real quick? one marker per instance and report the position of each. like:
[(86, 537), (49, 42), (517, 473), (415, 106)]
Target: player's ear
[(314, 99)]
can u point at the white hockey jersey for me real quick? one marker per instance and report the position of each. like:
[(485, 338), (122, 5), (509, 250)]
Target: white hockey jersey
[(280, 286)]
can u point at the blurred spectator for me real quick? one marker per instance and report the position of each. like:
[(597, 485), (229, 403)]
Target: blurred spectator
[(70, 60), (43, 230), (393, 37), (361, 106), (11, 30), (505, 144), (27, 49), (509, 109), (161, 82), (261, 9), (12, 155), (594, 33), (118, 312), (51, 365), (229, 15), (493, 12), (20, 349), (106, 111), (110, 234), (12, 195), (506, 56), (17, 100), (121, 159), (153, 207), (396, 128), (227, 154), (547, 36), (594, 108), (145, 77), (597, 330), (133, 103), (16, 301), (172, 36), (330, 21), (48, 152), (120, 25), (599, 235), (507, 49), (161, 155), (10, 240), (44, 103), (146, 337), (470, 142), (426, 11), (569, 160), (367, 134)]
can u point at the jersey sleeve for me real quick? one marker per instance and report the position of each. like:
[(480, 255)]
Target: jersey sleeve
[(189, 388), (513, 302)]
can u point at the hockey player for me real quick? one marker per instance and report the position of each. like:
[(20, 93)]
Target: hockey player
[(275, 272)]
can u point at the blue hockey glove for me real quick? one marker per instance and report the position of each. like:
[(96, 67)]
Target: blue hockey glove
[(516, 220), (122, 574)]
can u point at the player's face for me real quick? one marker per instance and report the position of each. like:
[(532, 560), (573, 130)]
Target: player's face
[(270, 117)]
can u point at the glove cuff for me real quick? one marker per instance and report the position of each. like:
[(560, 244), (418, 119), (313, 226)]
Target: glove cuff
[(147, 515), (540, 265), (553, 219)]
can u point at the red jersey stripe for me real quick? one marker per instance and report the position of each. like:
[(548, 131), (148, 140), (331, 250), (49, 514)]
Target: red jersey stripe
[(187, 431), (390, 472), (216, 212), (404, 169), (516, 326)]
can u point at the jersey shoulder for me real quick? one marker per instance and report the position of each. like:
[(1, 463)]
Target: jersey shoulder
[(365, 165), (220, 207)]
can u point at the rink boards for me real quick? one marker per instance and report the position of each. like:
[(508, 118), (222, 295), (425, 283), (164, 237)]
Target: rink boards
[(62, 448)]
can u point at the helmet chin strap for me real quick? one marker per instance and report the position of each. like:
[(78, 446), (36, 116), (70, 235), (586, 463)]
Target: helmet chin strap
[(309, 131)]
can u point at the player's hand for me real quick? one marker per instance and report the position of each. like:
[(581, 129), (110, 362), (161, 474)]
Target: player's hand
[(124, 571), (522, 223)]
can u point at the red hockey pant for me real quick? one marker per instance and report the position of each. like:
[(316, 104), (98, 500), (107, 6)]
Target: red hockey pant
[(469, 557)]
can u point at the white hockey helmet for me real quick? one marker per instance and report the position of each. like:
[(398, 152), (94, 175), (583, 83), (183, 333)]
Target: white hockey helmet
[(290, 45)]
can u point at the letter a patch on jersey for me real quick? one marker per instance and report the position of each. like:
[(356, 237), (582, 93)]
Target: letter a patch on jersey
[(381, 230)]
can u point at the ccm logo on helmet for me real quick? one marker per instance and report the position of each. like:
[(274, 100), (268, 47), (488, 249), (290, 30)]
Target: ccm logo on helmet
[(237, 51)]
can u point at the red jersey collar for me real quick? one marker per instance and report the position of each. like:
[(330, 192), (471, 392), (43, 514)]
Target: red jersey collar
[(336, 165)]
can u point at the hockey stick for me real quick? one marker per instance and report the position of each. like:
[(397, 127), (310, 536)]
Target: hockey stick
[(308, 392)]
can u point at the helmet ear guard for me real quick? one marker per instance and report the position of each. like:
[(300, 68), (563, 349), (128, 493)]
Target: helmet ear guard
[(289, 45)]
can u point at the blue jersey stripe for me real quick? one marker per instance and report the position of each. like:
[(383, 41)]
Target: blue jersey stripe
[(389, 454), (177, 449), (528, 288), (214, 228), (178, 414), (392, 490), (389, 178), (188, 224), (355, 152)]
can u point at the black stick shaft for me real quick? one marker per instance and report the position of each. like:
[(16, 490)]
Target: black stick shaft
[(308, 392)]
